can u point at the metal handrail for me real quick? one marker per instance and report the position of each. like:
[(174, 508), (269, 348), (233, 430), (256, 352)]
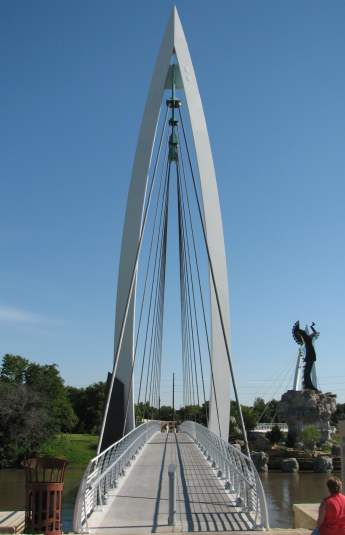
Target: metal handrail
[(235, 468), (104, 471), (268, 426)]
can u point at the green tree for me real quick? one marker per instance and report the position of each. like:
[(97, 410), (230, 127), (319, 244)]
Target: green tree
[(250, 416), (165, 413), (196, 413), (13, 369), (144, 411), (24, 422), (259, 406), (310, 436), (88, 405), (46, 380)]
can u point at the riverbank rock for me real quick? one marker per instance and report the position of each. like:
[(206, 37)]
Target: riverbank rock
[(259, 442), (290, 465), (323, 464), (302, 408), (260, 460)]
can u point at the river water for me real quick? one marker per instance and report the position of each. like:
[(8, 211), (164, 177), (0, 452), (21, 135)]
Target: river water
[(282, 490)]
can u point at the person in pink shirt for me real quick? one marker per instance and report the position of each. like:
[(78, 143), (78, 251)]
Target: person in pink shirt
[(331, 520)]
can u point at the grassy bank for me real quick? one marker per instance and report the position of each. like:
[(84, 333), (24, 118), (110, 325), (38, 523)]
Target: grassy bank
[(76, 449)]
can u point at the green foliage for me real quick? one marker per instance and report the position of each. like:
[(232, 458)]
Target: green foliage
[(77, 449), (259, 406), (266, 412), (143, 411), (88, 404), (24, 422), (34, 406), (13, 369), (165, 413), (310, 436), (46, 380), (193, 412), (260, 412), (250, 416)]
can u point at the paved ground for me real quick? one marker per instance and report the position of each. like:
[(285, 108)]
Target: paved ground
[(12, 521), (140, 504), (270, 532)]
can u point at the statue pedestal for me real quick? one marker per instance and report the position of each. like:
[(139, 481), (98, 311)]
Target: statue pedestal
[(301, 408)]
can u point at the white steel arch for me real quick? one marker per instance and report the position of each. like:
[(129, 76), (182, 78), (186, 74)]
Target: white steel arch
[(174, 42)]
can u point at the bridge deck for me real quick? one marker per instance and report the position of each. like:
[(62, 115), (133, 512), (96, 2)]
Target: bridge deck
[(140, 504)]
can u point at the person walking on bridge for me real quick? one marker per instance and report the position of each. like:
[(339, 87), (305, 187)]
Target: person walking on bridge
[(331, 520)]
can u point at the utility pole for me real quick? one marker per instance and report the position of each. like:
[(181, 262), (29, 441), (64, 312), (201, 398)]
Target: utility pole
[(173, 397)]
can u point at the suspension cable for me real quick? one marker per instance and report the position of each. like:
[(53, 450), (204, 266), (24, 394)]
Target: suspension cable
[(156, 290), (143, 299), (188, 293), (161, 312), (153, 276), (130, 292), (216, 292), (192, 288), (184, 312), (184, 183), (154, 384)]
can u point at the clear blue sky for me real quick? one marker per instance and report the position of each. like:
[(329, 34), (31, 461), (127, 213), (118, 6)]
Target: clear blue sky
[(74, 79)]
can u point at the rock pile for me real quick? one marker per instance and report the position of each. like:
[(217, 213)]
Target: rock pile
[(290, 465), (260, 460), (323, 464), (302, 408)]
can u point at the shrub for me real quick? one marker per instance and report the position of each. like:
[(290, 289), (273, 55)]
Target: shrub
[(310, 436), (275, 435)]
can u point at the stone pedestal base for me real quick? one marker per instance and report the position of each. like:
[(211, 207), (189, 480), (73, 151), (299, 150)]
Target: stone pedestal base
[(301, 408)]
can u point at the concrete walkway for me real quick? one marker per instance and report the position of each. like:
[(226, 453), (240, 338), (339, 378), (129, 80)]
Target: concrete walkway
[(140, 504)]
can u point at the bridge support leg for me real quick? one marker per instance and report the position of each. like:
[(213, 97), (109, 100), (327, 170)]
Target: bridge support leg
[(172, 494)]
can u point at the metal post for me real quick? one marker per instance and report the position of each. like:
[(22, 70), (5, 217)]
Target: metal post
[(172, 494)]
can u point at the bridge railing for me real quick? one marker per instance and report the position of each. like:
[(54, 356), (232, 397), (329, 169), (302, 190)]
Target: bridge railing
[(236, 469), (104, 471), (268, 427)]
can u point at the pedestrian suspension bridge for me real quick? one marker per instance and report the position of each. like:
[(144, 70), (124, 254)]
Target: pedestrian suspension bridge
[(144, 478)]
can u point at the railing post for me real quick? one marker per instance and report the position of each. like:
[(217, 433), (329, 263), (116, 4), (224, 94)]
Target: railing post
[(172, 494), (79, 504)]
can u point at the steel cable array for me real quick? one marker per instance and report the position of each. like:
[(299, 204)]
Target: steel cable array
[(148, 339)]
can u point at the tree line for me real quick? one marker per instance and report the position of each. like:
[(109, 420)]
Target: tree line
[(35, 405)]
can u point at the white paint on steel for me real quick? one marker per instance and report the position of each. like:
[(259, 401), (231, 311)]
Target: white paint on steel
[(134, 210), (174, 41), (214, 231), (298, 369), (313, 375)]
